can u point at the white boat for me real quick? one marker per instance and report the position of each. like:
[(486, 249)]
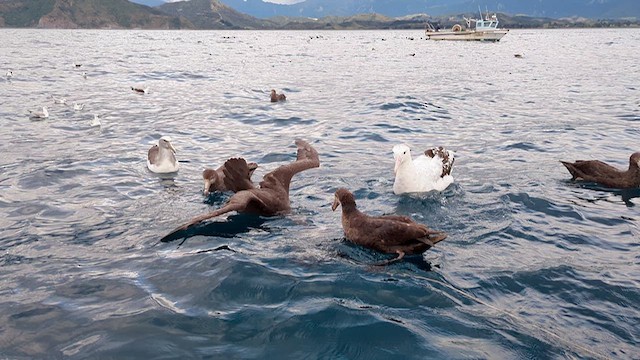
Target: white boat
[(485, 29)]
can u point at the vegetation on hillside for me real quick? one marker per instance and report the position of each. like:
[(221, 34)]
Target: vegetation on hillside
[(24, 13)]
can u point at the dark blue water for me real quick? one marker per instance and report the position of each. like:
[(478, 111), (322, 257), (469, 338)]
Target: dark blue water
[(535, 266)]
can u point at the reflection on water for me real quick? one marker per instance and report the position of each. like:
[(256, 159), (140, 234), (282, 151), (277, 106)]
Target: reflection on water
[(535, 266)]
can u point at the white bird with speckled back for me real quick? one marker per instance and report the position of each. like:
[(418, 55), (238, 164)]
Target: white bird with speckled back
[(429, 171), (161, 158)]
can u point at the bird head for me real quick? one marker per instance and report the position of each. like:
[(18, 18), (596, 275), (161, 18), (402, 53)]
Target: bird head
[(165, 142), (401, 153)]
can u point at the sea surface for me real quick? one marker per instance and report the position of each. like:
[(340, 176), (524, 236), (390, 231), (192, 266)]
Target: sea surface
[(535, 266)]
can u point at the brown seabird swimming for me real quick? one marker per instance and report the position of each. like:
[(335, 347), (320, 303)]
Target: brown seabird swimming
[(605, 174), (161, 158), (216, 180), (140, 90), (391, 234), (271, 198), (277, 97)]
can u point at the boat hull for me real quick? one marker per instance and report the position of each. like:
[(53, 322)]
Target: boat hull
[(493, 35)]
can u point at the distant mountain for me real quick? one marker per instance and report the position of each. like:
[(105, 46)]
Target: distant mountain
[(595, 9), (94, 14), (212, 14)]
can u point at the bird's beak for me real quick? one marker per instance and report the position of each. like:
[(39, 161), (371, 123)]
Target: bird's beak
[(398, 162), (172, 148), (335, 204), (207, 184)]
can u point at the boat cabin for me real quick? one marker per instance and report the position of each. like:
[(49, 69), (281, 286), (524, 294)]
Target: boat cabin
[(487, 24)]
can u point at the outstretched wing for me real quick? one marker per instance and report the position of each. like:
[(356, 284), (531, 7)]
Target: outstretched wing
[(244, 200), (307, 158)]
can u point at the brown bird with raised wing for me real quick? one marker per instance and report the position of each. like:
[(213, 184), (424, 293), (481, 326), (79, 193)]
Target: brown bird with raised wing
[(391, 234), (277, 97), (271, 198)]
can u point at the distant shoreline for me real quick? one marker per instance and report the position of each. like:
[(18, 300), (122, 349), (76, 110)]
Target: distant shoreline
[(312, 29)]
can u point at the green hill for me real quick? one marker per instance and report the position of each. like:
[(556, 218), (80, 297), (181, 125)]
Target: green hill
[(72, 14)]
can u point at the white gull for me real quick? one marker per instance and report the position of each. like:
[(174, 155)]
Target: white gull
[(161, 158), (39, 114)]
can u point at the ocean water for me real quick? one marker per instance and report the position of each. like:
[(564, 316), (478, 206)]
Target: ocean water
[(535, 266)]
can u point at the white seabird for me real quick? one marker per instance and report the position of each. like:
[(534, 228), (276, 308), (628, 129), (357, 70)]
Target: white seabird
[(429, 171), (59, 100), (162, 157), (39, 114), (95, 121)]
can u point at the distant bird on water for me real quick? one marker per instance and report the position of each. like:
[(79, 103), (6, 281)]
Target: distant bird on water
[(140, 90), (275, 97), (9, 75), (84, 74), (95, 121), (36, 115), (56, 100), (77, 106), (605, 174)]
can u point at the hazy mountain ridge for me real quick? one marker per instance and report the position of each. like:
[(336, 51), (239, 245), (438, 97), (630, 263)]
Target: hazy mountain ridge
[(594, 9), (90, 14), (213, 14)]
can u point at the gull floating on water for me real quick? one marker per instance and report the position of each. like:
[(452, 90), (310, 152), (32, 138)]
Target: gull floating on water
[(9, 74), (95, 121), (39, 114), (78, 107), (59, 100), (161, 158), (140, 90), (84, 74)]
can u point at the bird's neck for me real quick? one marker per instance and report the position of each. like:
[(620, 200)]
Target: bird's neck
[(407, 166), (349, 208), (166, 153)]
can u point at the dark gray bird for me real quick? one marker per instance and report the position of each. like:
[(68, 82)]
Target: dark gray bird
[(605, 174), (391, 234)]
